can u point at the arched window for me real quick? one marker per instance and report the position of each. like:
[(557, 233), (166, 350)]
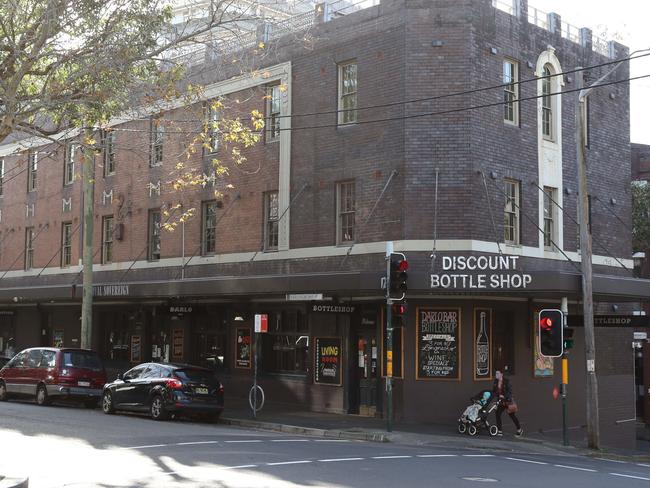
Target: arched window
[(547, 106)]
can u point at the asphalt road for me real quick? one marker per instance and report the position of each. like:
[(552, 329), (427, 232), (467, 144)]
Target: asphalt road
[(68, 446)]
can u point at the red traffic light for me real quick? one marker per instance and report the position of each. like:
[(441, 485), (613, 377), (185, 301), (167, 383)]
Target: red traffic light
[(545, 323), (403, 265), (399, 308)]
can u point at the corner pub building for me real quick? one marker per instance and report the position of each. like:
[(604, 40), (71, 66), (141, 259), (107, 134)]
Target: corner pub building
[(480, 194)]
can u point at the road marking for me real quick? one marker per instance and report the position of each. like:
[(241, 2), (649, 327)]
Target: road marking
[(612, 460), (289, 440), (478, 455), (484, 480), (391, 457), (243, 442), (525, 460), (332, 440), (630, 476), (340, 459), (145, 447), (575, 467), (195, 443), (289, 462), (243, 466), (643, 465), (436, 455)]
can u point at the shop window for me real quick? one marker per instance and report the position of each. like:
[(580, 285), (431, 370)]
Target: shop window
[(285, 348), (503, 345)]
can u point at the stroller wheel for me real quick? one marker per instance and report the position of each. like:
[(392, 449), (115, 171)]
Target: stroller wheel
[(462, 428), (472, 430), (493, 430)]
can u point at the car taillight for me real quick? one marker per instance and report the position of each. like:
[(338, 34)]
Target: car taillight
[(173, 383)]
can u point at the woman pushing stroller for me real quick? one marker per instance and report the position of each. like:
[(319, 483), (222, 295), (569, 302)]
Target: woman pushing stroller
[(503, 391)]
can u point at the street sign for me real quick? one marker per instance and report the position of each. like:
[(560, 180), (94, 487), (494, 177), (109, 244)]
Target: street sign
[(615, 321), (261, 322), (304, 297)]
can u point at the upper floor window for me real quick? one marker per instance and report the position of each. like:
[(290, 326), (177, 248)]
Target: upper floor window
[(271, 221), (29, 247), (107, 239), (273, 113), (547, 104), (212, 118), (66, 244), (510, 92), (209, 241), (157, 136), (2, 176), (109, 152), (511, 212), (550, 237), (345, 212), (347, 105), (154, 235), (68, 166), (32, 167)]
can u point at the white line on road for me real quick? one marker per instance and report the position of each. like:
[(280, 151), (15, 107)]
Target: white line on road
[(478, 455), (612, 460), (630, 476), (643, 465), (243, 466), (525, 460), (436, 455), (195, 443), (289, 440), (243, 442), (575, 467), (288, 462), (145, 447), (332, 440), (340, 459), (391, 457)]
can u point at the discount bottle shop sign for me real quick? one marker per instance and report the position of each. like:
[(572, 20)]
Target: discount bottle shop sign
[(480, 272)]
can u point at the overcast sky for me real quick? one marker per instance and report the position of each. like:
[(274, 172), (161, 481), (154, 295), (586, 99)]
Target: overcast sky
[(629, 19)]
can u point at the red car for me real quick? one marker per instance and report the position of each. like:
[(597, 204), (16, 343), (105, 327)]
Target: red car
[(48, 373)]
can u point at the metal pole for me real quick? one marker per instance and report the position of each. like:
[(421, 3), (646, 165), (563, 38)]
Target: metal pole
[(593, 422), (257, 335), (389, 344), (88, 186), (564, 387)]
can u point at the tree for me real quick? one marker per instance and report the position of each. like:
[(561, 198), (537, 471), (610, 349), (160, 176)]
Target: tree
[(641, 216)]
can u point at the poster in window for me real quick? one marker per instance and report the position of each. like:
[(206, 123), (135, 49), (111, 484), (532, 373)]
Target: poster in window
[(57, 338), (327, 370), (243, 348), (543, 366), (177, 344), (136, 348), (482, 343), (438, 343)]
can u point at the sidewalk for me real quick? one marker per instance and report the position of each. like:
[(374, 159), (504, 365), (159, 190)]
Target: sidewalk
[(282, 418)]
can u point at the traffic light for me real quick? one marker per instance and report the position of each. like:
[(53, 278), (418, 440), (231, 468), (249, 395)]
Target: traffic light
[(398, 311), (551, 333), (397, 276), (568, 339)]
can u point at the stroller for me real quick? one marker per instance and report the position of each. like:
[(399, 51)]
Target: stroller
[(475, 415)]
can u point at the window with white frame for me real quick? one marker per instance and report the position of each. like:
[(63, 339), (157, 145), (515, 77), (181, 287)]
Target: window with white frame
[(347, 106), (510, 92), (271, 220), (109, 152), (511, 212), (69, 160), (66, 244), (212, 118), (32, 168), (273, 104), (154, 235), (209, 234), (547, 104), (157, 136), (345, 212), (549, 217), (107, 239), (29, 247)]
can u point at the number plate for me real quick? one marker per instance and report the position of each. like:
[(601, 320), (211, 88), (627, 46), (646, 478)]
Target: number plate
[(84, 383), (201, 391)]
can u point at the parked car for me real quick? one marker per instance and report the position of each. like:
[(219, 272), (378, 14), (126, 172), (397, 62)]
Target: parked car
[(48, 373), (163, 389)]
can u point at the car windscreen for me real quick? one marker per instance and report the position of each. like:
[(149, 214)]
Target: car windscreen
[(82, 360), (195, 375)]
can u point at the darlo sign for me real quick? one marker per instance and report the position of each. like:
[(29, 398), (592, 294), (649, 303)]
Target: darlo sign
[(495, 272)]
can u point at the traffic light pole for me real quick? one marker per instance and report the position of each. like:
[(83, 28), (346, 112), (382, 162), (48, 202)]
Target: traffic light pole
[(389, 344), (564, 387)]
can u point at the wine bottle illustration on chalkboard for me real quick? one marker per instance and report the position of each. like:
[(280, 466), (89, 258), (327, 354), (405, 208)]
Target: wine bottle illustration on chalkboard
[(482, 349)]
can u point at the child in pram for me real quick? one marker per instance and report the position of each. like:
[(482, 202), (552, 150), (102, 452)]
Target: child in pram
[(475, 415)]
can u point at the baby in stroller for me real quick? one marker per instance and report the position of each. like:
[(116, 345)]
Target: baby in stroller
[(475, 415)]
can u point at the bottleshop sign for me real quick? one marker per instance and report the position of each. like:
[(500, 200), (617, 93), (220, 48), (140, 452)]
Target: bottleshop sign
[(497, 272)]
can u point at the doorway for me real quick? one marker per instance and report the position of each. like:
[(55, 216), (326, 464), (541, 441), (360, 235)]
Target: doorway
[(365, 372)]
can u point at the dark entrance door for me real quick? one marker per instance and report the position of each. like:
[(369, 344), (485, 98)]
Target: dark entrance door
[(366, 364)]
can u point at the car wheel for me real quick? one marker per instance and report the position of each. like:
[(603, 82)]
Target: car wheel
[(158, 410), (41, 396), (3, 391), (107, 402)]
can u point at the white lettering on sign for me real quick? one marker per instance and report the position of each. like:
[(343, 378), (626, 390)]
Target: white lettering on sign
[(111, 290), (333, 308), (180, 309), (468, 279)]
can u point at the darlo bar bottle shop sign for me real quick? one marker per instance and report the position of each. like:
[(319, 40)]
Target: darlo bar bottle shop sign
[(494, 272)]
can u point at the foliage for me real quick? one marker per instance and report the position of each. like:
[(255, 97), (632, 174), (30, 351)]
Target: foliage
[(641, 216)]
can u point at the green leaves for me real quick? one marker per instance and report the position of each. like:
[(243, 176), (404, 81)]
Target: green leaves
[(641, 216)]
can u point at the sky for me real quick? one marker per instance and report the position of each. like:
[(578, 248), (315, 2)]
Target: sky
[(628, 22)]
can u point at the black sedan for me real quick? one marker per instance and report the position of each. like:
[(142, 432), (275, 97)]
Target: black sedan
[(165, 389)]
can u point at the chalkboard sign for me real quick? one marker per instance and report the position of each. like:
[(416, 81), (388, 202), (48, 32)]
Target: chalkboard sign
[(328, 361), (243, 348), (438, 343)]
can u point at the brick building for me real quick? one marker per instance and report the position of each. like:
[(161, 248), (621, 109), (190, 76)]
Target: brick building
[(477, 189)]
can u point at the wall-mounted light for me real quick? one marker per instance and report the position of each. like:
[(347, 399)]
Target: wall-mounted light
[(493, 50), (238, 318)]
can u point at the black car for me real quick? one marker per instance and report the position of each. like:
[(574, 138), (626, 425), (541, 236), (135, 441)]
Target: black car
[(165, 389)]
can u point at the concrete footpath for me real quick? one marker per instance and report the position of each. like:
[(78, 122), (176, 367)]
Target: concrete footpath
[(284, 418)]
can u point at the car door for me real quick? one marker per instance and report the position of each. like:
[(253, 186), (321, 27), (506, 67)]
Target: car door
[(33, 374), (12, 374), (143, 385), (124, 390)]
